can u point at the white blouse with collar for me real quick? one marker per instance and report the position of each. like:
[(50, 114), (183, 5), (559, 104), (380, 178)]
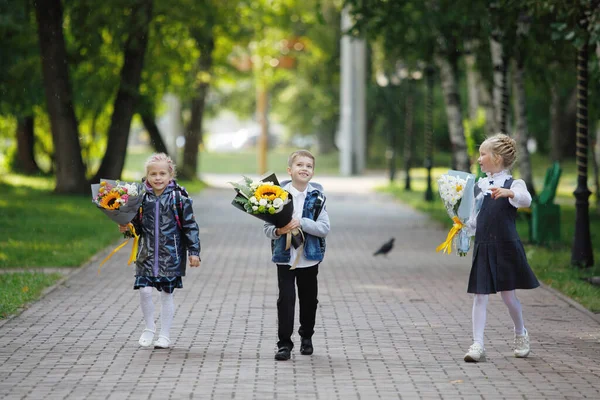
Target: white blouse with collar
[(521, 199)]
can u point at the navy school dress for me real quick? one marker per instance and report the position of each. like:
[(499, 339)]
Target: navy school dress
[(499, 261)]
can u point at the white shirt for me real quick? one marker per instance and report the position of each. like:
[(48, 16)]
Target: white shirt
[(521, 199), (299, 198)]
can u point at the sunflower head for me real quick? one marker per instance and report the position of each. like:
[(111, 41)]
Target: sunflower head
[(109, 202), (270, 192)]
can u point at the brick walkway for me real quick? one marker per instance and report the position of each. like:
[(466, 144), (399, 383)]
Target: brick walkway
[(387, 328)]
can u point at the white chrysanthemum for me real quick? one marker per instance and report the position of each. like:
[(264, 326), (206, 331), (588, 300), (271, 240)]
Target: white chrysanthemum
[(254, 208), (277, 202), (263, 202), (132, 189)]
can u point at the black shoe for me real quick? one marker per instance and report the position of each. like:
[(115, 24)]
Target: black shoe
[(283, 354), (306, 347)]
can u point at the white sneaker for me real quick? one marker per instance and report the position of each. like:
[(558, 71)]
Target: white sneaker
[(522, 345), (476, 353)]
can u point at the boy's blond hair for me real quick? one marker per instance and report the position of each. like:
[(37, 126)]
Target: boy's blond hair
[(300, 153), (502, 146), (161, 157)]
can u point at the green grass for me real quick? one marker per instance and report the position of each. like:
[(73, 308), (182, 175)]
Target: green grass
[(21, 288), (552, 265)]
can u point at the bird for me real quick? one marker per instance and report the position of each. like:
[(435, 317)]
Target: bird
[(385, 248)]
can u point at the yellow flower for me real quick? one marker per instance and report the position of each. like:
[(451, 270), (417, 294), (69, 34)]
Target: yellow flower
[(270, 192), (109, 201), (459, 187)]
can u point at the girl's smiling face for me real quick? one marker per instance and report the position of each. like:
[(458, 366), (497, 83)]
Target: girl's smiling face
[(158, 176), (488, 161)]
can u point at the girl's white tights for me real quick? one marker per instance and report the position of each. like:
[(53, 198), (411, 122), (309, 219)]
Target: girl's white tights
[(147, 307), (515, 310), (479, 313), (166, 312)]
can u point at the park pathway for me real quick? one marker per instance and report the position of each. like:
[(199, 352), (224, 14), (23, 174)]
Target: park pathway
[(387, 327)]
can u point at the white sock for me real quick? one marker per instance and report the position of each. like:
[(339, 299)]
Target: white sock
[(479, 315), (166, 313), (147, 307), (515, 310)]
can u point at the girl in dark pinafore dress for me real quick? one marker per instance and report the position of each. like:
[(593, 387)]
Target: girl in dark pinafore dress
[(499, 261)]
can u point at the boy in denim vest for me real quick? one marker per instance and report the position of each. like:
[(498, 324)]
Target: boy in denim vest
[(311, 216)]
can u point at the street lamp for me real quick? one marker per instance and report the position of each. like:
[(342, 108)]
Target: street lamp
[(390, 153), (582, 254), (429, 71)]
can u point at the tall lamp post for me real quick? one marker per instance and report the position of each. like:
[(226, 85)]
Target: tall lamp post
[(390, 153), (582, 254), (429, 71)]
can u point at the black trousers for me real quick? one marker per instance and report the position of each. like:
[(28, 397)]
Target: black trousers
[(306, 280)]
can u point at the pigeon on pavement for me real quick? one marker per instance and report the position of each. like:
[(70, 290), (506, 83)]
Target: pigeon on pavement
[(385, 248)]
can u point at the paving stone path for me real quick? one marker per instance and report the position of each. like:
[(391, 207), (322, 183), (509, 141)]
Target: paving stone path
[(393, 327)]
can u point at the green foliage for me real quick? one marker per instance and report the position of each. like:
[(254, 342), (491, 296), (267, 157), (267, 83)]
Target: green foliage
[(475, 133), (243, 188), (20, 67)]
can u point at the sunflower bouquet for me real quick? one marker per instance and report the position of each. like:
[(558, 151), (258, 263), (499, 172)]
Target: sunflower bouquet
[(266, 200), (120, 201)]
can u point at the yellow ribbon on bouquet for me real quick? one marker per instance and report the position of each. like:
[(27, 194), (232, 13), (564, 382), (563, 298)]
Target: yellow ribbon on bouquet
[(447, 245), (134, 249)]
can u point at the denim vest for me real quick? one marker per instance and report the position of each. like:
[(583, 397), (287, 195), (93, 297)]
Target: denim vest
[(314, 247)]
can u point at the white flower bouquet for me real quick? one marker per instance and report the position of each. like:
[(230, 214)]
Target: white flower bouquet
[(456, 190)]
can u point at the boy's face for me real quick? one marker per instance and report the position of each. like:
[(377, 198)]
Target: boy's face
[(302, 169), (158, 176)]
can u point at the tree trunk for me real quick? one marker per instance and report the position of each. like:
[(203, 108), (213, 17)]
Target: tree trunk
[(193, 134), (127, 96), (472, 79), (521, 131), (555, 128), (485, 99), (408, 133), (597, 167), (496, 50), (447, 67), (69, 171), (326, 137), (500, 66), (25, 160), (149, 121)]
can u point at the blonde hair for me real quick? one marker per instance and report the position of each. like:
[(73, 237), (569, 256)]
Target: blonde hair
[(503, 146), (300, 153), (161, 157)]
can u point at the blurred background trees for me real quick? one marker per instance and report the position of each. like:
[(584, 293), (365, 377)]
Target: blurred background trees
[(84, 82)]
